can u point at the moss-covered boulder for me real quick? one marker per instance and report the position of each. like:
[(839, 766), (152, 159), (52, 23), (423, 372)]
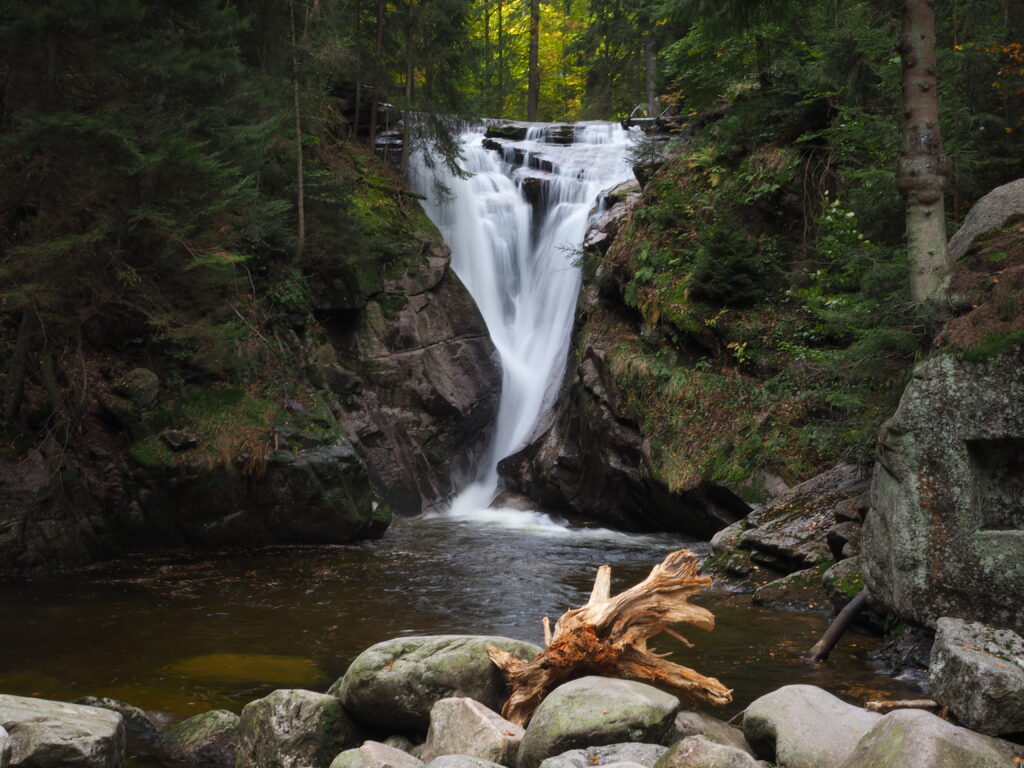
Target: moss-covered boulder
[(946, 529), (593, 711), (53, 734), (209, 739), (700, 752), (293, 729), (395, 684), (914, 737)]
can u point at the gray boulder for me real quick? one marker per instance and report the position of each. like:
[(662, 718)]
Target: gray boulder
[(913, 737), (944, 534), (53, 734), (988, 214), (209, 739), (978, 672), (136, 722), (632, 753), (398, 741), (394, 684), (5, 748), (592, 711), (140, 386), (293, 729), (460, 761), (801, 590), (461, 726), (802, 726), (699, 752), (374, 754), (692, 723)]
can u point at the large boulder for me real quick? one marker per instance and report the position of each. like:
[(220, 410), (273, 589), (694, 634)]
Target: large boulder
[(461, 761), (913, 737), (394, 684), (699, 752), (136, 722), (53, 734), (634, 753), (802, 726), (209, 739), (978, 672), (293, 729), (374, 754), (5, 748), (946, 530), (461, 726), (990, 213), (592, 711)]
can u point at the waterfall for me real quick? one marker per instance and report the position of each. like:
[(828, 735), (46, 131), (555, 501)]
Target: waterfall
[(515, 227)]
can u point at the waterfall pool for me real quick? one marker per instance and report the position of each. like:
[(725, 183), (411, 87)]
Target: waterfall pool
[(178, 634)]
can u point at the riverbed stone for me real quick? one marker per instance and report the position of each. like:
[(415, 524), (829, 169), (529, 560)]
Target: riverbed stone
[(462, 726), (627, 753), (978, 672), (136, 722), (293, 729), (209, 739), (701, 752), (913, 737), (694, 723), (803, 726), (946, 529), (375, 754), (461, 761), (593, 711), (55, 734), (5, 748), (394, 684)]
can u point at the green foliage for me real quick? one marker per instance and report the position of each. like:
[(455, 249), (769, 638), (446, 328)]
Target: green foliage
[(730, 269)]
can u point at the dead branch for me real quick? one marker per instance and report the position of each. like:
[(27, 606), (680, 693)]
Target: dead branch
[(608, 636)]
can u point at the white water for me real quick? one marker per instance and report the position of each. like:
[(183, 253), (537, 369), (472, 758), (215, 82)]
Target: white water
[(521, 271)]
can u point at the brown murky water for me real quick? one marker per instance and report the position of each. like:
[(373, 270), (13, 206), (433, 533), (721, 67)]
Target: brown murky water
[(181, 634)]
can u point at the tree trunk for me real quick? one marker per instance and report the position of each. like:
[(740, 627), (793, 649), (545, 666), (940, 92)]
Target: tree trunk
[(359, 75), (407, 112), (650, 72), (300, 195), (374, 94), (608, 636), (922, 170), (500, 110), (533, 85)]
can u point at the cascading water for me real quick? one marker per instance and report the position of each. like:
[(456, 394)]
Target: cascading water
[(517, 256)]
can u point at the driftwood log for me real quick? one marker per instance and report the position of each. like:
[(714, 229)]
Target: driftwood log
[(608, 636)]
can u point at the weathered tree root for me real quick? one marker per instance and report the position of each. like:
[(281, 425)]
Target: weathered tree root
[(608, 636)]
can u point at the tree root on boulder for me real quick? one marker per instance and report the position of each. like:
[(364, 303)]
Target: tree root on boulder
[(608, 636)]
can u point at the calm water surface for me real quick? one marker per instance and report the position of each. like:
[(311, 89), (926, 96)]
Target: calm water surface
[(181, 634)]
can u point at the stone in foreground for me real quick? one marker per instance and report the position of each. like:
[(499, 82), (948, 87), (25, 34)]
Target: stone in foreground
[(292, 729), (699, 752), (374, 754), (53, 734), (913, 737), (693, 723), (631, 753), (394, 684), (5, 748), (593, 711), (460, 761), (978, 672), (461, 726), (209, 739), (802, 726), (136, 722)]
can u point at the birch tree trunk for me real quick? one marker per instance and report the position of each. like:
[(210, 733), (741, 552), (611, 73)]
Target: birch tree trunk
[(922, 170)]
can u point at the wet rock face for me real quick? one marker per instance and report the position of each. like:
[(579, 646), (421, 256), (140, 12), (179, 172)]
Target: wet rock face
[(52, 734), (418, 379), (592, 460), (946, 530)]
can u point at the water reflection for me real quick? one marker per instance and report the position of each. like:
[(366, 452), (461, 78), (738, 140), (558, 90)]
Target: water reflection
[(140, 628)]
